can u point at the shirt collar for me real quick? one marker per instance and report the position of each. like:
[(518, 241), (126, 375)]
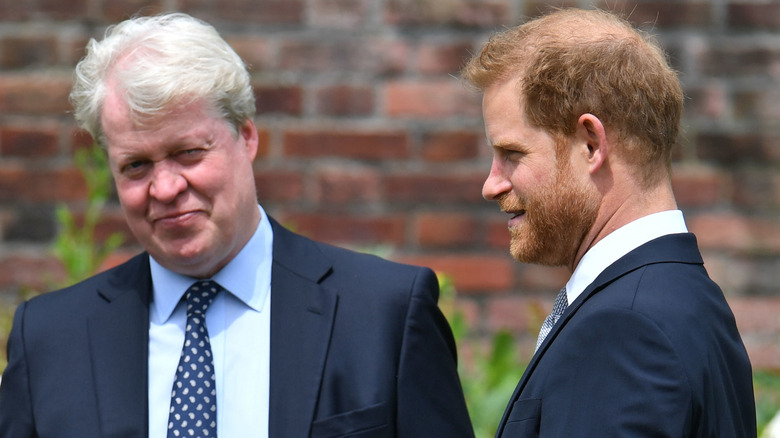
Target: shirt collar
[(619, 243), (247, 276)]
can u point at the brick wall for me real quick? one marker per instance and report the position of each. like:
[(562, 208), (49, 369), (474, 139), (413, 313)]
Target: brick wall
[(368, 140)]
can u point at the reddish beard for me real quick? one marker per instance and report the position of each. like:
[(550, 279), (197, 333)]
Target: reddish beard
[(557, 218)]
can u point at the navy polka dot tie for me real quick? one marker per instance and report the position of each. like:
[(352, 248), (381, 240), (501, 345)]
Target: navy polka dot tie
[(560, 304), (194, 396)]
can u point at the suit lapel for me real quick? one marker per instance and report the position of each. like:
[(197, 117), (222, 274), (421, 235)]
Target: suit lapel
[(674, 248), (119, 339), (302, 313)]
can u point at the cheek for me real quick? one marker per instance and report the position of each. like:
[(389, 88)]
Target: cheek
[(132, 196)]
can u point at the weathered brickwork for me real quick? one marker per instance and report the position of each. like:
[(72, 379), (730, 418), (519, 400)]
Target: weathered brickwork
[(367, 138)]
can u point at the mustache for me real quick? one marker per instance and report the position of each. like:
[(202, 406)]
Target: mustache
[(508, 202)]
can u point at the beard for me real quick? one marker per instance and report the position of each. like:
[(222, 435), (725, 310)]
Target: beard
[(557, 217)]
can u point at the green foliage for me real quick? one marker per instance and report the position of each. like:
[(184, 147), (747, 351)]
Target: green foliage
[(75, 246), (490, 374), (767, 388)]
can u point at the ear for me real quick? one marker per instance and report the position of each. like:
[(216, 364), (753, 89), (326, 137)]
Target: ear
[(248, 132), (592, 135)]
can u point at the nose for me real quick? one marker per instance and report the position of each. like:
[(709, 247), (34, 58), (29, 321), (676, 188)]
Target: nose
[(167, 183), (497, 182)]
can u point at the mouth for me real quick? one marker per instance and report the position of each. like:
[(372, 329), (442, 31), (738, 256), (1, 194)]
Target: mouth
[(174, 219), (515, 216)]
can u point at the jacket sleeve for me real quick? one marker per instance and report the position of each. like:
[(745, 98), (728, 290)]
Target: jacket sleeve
[(430, 397), (16, 416)]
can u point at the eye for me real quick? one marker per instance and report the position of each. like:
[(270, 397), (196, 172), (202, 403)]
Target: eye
[(511, 154), (134, 169), (190, 156)]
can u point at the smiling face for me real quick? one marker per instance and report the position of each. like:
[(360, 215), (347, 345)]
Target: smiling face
[(185, 183), (551, 209)]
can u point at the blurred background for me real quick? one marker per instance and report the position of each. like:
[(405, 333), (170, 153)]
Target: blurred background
[(369, 140)]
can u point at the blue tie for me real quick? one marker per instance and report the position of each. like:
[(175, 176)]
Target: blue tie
[(560, 304), (194, 396)]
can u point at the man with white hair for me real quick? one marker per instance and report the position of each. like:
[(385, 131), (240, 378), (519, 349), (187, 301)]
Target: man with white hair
[(227, 324)]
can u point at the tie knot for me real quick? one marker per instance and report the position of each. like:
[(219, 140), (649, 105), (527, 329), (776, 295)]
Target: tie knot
[(200, 295)]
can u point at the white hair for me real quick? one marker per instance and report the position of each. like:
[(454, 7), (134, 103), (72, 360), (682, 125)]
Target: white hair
[(158, 61)]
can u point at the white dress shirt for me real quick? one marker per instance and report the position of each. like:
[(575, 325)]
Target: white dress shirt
[(239, 326), (619, 243)]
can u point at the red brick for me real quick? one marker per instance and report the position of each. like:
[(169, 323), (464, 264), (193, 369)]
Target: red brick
[(735, 232), (278, 99), (443, 57), (759, 325), (450, 146), (263, 143), (344, 144), (497, 232), (80, 138), (757, 189), (249, 11), (278, 185), (342, 185), (753, 15), (345, 100), (760, 106), (537, 278), (117, 258), (535, 8), (31, 271), (763, 353), (18, 183), (738, 148), (653, 15), (37, 94), (429, 188), (470, 273), (708, 102), (757, 315), (732, 60), (696, 186), (377, 56), (487, 13), (14, 10), (256, 52), (518, 313), (25, 51), (60, 10), (430, 99), (29, 223), (115, 11), (469, 311), (343, 229), (73, 49), (112, 220), (445, 230), (27, 141), (340, 14)]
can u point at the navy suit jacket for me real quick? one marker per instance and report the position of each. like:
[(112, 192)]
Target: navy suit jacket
[(650, 349), (358, 348)]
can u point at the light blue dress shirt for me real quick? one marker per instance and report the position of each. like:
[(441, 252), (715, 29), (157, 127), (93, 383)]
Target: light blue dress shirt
[(239, 326), (619, 243)]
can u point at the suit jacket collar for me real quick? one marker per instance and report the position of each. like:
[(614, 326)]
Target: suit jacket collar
[(302, 313), (119, 343), (673, 248)]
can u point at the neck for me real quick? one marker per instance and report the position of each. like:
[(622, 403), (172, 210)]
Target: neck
[(623, 206)]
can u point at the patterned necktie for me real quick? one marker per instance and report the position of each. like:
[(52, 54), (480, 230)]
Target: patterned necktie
[(559, 306), (194, 396)]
